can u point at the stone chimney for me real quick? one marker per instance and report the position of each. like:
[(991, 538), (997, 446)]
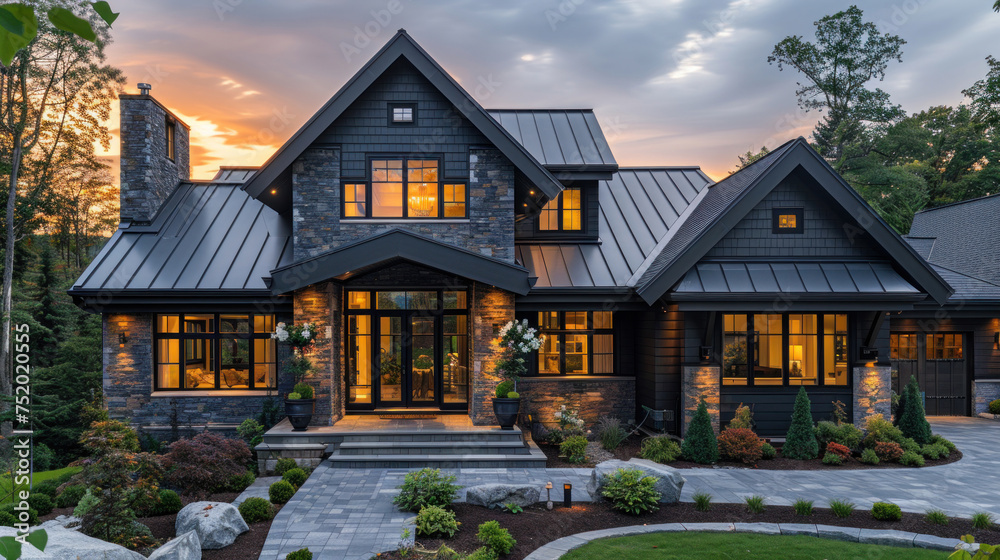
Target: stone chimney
[(154, 155)]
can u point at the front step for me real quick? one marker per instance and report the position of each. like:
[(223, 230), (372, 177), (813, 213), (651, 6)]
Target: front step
[(429, 448), (496, 461)]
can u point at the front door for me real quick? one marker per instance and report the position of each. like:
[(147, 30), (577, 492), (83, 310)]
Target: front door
[(407, 349)]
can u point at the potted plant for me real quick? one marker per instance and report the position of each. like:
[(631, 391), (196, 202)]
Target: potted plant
[(299, 404), (515, 341)]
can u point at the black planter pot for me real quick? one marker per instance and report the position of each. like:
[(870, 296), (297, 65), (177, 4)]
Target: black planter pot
[(299, 413), (506, 412)]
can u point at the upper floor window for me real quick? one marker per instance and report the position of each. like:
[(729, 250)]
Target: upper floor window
[(404, 188), (563, 213), (402, 113), (786, 220), (171, 139)]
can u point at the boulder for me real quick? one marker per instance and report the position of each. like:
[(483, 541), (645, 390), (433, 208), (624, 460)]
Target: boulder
[(62, 522), (669, 480), (496, 495), (184, 547), (64, 543), (217, 523)]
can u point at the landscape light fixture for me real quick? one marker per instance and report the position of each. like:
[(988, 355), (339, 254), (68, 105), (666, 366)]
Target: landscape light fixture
[(567, 495), (548, 495), (122, 339)]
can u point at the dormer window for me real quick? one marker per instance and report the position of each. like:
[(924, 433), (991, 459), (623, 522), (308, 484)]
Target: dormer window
[(786, 220), (563, 213), (404, 188), (402, 113)]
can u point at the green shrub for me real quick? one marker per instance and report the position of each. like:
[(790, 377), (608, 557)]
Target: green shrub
[(205, 463), (838, 450), (513, 508), (888, 451), (936, 517), (294, 396), (304, 390), (170, 503), (284, 465), (503, 388), (995, 407), (912, 421), (495, 538), (755, 504), (934, 451), (87, 503), (912, 459), (240, 482), (280, 492), (65, 477), (513, 395), (482, 553), (982, 520), (878, 429), (743, 418), (740, 444), (847, 435), (631, 492), (800, 441), (842, 508), (436, 521), (700, 444), (296, 477), (41, 503), (803, 507), (832, 459), (50, 488), (702, 501), (660, 449), (868, 456), (251, 431), (8, 510), (610, 433), (426, 487), (575, 449), (939, 439), (300, 554), (71, 495), (884, 511), (7, 519), (767, 451), (910, 444), (555, 437), (256, 509)]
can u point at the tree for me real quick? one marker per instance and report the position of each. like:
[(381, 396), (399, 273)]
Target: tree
[(700, 444), (750, 157), (912, 421), (985, 96), (800, 441), (849, 52)]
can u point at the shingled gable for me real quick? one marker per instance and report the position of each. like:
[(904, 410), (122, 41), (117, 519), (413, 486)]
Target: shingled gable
[(401, 45), (742, 191)]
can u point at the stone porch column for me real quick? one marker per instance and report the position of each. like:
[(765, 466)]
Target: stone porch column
[(872, 392), (491, 308), (701, 381)]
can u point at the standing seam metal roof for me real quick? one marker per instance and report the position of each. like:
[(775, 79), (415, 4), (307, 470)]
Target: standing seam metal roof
[(558, 137)]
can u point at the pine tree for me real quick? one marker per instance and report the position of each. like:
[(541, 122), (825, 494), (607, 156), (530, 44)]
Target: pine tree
[(47, 311), (800, 441), (912, 421), (699, 443), (900, 407)]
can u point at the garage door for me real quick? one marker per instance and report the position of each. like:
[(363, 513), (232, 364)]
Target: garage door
[(939, 362)]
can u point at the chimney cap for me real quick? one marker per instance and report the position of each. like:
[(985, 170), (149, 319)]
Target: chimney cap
[(144, 88)]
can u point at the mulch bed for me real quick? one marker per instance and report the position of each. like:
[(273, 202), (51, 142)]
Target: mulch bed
[(537, 526), (630, 449)]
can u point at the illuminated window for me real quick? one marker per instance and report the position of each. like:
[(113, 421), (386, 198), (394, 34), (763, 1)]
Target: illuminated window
[(387, 188), (576, 343), (354, 200), (563, 213), (422, 188), (402, 113), (413, 181), (786, 220), (454, 201), (171, 139)]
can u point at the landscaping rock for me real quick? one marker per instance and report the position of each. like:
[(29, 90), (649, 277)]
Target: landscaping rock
[(496, 495), (64, 543), (846, 534), (889, 538), (184, 547), (217, 524), (669, 480), (62, 522)]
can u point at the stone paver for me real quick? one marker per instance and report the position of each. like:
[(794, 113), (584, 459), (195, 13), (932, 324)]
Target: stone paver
[(256, 490), (345, 513)]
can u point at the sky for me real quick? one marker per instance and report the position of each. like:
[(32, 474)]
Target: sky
[(672, 82)]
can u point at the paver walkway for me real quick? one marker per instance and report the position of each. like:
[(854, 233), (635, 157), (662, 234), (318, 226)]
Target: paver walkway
[(348, 514)]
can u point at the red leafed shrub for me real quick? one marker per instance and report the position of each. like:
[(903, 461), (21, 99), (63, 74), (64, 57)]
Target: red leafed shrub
[(839, 450), (741, 444), (888, 451), (205, 463)]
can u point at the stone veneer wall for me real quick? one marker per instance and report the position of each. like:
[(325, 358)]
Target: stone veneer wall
[(984, 391), (593, 397), (701, 382), (320, 305), (491, 307), (872, 392), (128, 387)]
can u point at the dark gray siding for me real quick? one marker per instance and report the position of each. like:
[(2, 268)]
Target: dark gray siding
[(525, 230), (772, 406), (659, 355)]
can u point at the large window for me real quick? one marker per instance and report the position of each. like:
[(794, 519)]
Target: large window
[(576, 343), (215, 351), (404, 188), (790, 349), (563, 213)]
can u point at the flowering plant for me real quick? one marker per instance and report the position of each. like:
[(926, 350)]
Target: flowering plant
[(515, 340), (569, 419), (300, 338)]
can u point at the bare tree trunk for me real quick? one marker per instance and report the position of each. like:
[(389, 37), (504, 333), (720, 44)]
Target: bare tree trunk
[(6, 377)]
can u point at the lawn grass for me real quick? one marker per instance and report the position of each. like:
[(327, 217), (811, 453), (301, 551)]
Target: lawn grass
[(37, 478), (739, 546)]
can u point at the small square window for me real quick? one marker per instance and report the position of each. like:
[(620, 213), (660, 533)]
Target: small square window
[(786, 220), (402, 113)]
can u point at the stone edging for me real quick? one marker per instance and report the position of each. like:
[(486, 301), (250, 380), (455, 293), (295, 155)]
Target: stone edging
[(903, 539)]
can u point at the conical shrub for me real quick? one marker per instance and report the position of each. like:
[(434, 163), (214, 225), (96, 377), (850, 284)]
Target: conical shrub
[(800, 441), (912, 421), (699, 443)]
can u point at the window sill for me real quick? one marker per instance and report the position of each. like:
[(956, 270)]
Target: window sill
[(213, 393), (534, 378), (406, 221)]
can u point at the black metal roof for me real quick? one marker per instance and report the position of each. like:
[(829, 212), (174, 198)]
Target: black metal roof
[(559, 138), (639, 208), (769, 278), (962, 237)]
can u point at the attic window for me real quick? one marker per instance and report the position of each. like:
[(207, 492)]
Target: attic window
[(402, 113), (171, 139), (786, 220)]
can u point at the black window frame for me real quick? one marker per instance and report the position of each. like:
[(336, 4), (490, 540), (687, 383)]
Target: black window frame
[(367, 181), (413, 113), (590, 332), (776, 214), (216, 337), (561, 230)]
